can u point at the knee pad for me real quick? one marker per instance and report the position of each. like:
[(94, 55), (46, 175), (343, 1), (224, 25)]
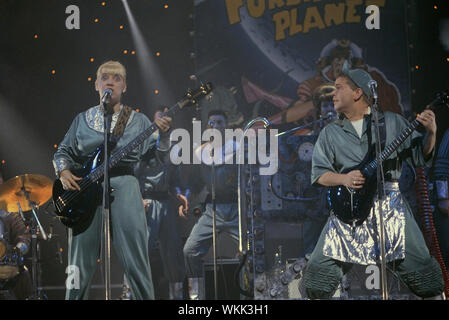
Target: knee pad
[(427, 281), (320, 282)]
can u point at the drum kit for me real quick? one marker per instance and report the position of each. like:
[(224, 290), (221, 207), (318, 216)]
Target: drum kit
[(22, 194)]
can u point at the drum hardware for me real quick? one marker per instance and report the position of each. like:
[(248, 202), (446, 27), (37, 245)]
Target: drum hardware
[(10, 259), (26, 193), (37, 187)]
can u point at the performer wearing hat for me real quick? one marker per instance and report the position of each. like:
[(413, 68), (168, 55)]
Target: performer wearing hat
[(343, 144)]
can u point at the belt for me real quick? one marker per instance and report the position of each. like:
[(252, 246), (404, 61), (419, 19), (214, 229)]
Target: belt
[(121, 171), (391, 186)]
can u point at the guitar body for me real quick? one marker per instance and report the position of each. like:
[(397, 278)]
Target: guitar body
[(79, 211), (351, 205), (76, 208)]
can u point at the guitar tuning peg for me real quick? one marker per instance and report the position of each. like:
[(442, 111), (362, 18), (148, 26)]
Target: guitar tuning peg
[(209, 96)]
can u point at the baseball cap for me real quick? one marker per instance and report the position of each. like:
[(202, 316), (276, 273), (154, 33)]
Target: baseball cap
[(360, 77)]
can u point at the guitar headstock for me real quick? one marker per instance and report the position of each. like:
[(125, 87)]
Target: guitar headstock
[(442, 98), (192, 97)]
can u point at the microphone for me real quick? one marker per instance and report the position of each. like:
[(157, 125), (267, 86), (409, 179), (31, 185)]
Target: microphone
[(373, 86), (330, 115), (106, 95)]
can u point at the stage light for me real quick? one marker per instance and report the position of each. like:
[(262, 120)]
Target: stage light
[(89, 79), (55, 146), (91, 59), (133, 52), (158, 54), (156, 91), (3, 161), (447, 59), (137, 110), (166, 6), (435, 7), (35, 36), (125, 51), (416, 67), (148, 66), (53, 71), (96, 20), (103, 3), (121, 27)]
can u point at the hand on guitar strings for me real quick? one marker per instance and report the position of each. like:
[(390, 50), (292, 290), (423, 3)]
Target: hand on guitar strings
[(354, 179), (69, 181)]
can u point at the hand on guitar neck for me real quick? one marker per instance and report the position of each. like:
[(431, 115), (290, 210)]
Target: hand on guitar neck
[(427, 119), (162, 121)]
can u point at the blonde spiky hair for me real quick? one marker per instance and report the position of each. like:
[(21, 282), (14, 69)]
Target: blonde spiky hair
[(112, 67)]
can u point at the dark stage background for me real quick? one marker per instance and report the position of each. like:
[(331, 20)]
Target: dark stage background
[(38, 104)]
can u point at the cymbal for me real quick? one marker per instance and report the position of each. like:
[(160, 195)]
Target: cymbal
[(15, 190)]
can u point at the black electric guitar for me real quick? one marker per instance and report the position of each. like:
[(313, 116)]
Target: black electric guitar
[(75, 208), (353, 206)]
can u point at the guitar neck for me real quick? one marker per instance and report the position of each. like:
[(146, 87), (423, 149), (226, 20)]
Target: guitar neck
[(393, 146), (118, 155), (441, 99)]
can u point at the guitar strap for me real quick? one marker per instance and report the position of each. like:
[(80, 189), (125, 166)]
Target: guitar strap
[(382, 132), (121, 124)]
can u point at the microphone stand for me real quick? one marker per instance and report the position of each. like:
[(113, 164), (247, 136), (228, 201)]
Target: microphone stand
[(106, 202), (328, 116), (240, 161), (214, 223), (380, 197)]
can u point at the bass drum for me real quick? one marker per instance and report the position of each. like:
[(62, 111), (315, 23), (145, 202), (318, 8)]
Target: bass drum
[(9, 266)]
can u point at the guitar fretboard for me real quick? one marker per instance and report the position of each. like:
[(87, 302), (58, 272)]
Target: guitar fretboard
[(118, 155), (393, 146)]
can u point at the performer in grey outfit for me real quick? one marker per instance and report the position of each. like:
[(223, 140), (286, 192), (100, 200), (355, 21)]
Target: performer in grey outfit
[(200, 239), (129, 231), (343, 144)]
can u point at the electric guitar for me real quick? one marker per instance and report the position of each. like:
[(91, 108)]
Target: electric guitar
[(76, 208), (353, 206)]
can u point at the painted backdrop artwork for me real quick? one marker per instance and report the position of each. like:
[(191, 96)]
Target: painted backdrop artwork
[(268, 56)]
